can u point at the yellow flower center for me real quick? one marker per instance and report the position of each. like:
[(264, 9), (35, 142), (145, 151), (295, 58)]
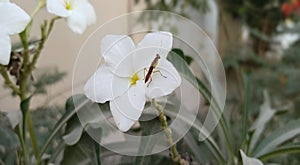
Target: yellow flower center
[(68, 5), (134, 79)]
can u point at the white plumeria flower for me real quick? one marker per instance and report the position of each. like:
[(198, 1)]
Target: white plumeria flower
[(78, 13), (121, 79), (13, 20)]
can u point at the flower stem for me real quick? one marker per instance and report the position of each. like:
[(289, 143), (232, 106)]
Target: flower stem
[(59, 125), (175, 155), (40, 5), (45, 32), (26, 70), (23, 145), (24, 73), (32, 135), (8, 81)]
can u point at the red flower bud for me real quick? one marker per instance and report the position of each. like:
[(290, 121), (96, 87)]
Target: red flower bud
[(287, 9)]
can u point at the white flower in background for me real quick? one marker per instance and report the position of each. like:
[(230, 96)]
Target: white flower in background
[(121, 79), (13, 20), (78, 13)]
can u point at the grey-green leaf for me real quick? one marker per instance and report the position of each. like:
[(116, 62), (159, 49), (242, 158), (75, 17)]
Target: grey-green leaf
[(288, 149), (278, 137), (265, 115), (73, 136), (86, 151), (14, 117), (86, 115), (248, 160)]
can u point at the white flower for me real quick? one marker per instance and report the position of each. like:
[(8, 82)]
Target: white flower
[(13, 20), (121, 79), (78, 13)]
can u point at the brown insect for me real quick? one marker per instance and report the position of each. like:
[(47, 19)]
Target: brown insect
[(152, 70)]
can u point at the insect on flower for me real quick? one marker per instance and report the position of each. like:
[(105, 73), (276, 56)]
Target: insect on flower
[(124, 77), (151, 70)]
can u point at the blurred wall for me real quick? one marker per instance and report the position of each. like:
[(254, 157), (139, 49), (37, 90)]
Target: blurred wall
[(61, 50), (63, 45)]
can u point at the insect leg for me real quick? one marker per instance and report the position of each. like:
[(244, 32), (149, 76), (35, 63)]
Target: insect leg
[(150, 80), (158, 71)]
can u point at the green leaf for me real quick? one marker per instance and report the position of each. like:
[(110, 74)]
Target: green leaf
[(291, 56), (147, 144), (278, 137), (182, 67), (63, 120), (248, 160), (25, 108), (86, 151), (265, 115), (81, 105), (292, 87), (9, 140), (15, 118), (247, 93), (9, 143), (25, 105), (199, 150), (73, 131), (156, 159), (184, 70), (260, 35), (87, 116), (180, 53), (171, 110), (70, 103), (288, 149)]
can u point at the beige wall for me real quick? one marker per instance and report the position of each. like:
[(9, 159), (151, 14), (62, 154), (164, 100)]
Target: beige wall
[(63, 46), (61, 50)]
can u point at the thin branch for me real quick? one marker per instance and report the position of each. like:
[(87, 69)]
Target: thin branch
[(45, 34), (175, 155), (8, 81)]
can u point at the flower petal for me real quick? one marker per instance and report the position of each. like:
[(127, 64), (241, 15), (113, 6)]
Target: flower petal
[(13, 19), (165, 79), (158, 40), (152, 44), (57, 7), (85, 8), (77, 22), (123, 123), (129, 106), (117, 53), (104, 86), (5, 49)]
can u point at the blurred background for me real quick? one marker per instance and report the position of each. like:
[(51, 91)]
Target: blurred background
[(63, 45), (257, 40), (61, 51), (251, 36)]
